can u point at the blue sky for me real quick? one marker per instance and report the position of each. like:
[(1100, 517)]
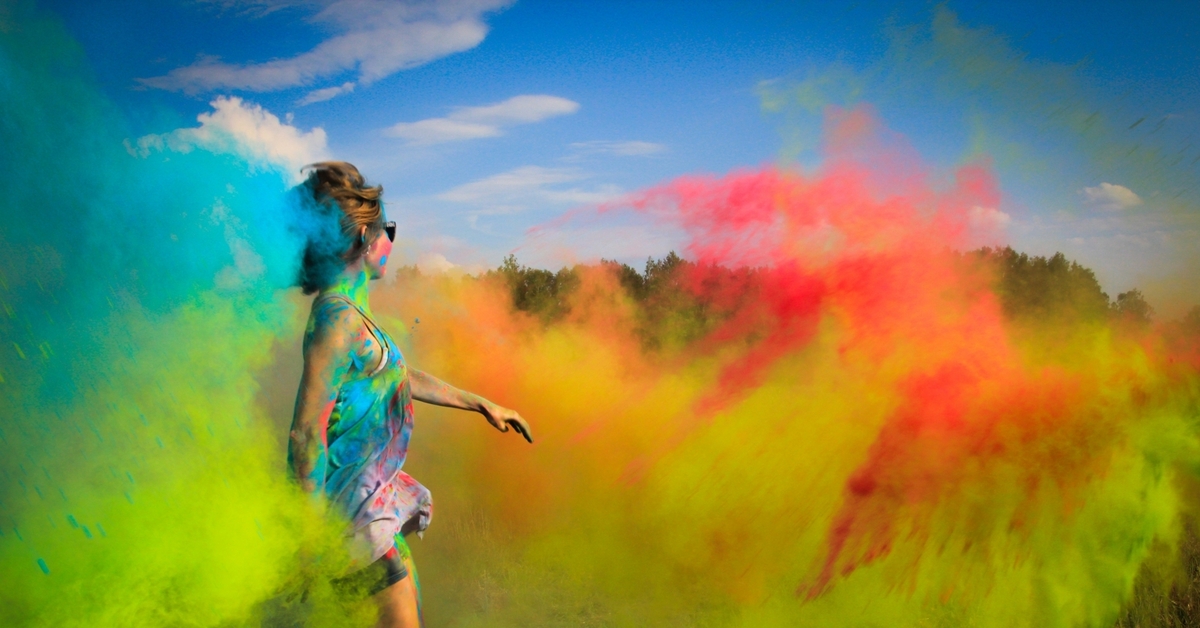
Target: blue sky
[(484, 118)]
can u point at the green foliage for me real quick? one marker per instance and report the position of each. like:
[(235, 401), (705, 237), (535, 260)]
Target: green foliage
[(1166, 592), (535, 290), (1045, 288), (661, 277), (670, 311), (1131, 308), (1191, 321), (678, 301)]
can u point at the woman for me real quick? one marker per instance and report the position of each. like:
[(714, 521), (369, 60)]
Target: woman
[(354, 414)]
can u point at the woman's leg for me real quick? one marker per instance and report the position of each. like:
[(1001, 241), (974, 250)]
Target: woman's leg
[(407, 560), (398, 605)]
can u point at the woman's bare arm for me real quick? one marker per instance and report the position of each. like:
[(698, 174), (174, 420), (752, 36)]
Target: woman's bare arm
[(430, 389), (326, 363)]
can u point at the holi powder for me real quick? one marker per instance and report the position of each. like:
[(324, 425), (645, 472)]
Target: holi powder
[(140, 298), (858, 435), (831, 420)]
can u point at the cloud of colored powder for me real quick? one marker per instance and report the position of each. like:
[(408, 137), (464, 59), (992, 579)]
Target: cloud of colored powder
[(856, 435), (141, 292), (861, 438)]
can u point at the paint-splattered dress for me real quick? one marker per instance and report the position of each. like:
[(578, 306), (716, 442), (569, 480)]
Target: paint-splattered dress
[(367, 438)]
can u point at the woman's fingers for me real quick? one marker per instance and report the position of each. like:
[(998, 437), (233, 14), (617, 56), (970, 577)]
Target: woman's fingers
[(522, 428), (510, 418)]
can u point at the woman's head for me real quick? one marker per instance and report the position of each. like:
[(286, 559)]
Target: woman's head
[(353, 229)]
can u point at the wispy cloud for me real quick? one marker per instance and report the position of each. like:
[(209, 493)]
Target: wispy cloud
[(530, 182), (244, 129), (376, 38), (1110, 197), (259, 8), (439, 130), (434, 263), (321, 95), (988, 218), (631, 148), (528, 188), (468, 123)]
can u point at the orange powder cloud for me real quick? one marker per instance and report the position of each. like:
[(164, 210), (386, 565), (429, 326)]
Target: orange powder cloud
[(857, 420)]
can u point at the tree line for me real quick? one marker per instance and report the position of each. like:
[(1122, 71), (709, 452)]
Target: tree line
[(1030, 289)]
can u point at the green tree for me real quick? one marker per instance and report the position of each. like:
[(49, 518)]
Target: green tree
[(1131, 308), (537, 291), (1054, 288), (1190, 322)]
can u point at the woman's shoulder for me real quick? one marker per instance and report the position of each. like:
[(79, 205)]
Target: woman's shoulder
[(332, 316), (332, 306), (338, 329)]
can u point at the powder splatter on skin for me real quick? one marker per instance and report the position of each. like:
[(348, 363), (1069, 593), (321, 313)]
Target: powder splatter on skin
[(853, 433)]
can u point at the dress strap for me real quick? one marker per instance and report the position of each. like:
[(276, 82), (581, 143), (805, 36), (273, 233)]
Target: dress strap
[(372, 328)]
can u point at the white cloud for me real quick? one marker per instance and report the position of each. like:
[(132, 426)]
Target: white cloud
[(259, 8), (1110, 197), (988, 218), (437, 130), (321, 95), (621, 149), (518, 110), (526, 189), (508, 190), (375, 38), (247, 130), (467, 123), (434, 263)]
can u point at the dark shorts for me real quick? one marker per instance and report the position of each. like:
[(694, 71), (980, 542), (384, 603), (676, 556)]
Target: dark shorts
[(375, 577)]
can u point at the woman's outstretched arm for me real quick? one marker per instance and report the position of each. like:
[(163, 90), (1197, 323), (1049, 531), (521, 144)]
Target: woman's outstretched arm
[(327, 347), (430, 389)]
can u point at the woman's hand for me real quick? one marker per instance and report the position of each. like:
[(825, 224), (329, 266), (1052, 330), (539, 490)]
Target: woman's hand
[(501, 418)]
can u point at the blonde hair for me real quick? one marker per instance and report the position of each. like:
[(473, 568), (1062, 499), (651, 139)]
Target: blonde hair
[(339, 184)]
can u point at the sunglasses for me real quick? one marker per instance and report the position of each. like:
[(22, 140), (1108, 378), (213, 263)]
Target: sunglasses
[(390, 228)]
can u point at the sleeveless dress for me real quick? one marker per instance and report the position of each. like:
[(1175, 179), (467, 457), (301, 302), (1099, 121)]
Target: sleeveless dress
[(367, 442)]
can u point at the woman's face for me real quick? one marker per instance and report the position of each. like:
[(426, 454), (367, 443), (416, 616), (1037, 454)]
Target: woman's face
[(376, 257)]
